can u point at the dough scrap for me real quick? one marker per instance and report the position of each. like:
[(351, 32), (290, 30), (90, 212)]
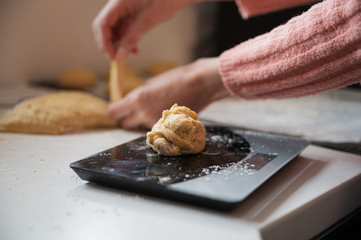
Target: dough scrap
[(57, 113), (116, 80), (128, 77), (178, 132)]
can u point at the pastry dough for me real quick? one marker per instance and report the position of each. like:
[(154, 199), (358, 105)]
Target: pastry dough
[(116, 80), (178, 132), (130, 80), (57, 113), (159, 67), (77, 78)]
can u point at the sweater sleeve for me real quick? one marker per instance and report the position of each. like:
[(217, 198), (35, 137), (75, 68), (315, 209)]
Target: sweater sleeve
[(317, 51)]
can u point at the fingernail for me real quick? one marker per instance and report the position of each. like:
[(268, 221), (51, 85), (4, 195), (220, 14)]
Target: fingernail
[(121, 53), (135, 50)]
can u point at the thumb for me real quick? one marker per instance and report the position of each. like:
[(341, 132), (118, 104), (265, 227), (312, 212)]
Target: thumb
[(118, 110)]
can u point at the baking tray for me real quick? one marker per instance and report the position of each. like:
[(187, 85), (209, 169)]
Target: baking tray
[(233, 164)]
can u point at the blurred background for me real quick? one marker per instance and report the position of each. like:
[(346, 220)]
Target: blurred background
[(41, 39)]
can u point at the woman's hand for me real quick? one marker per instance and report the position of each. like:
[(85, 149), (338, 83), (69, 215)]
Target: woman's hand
[(121, 23), (195, 85)]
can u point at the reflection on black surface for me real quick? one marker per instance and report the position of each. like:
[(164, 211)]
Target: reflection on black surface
[(223, 148), (258, 161), (137, 161)]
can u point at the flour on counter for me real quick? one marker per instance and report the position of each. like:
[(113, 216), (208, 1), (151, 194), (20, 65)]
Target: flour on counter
[(333, 116)]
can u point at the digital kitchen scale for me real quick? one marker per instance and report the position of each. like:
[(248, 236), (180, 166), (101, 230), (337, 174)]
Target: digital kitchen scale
[(233, 164)]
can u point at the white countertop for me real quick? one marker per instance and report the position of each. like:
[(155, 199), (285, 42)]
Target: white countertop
[(42, 198), (332, 116)]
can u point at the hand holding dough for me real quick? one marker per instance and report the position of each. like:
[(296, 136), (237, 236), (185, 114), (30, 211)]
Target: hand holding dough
[(178, 132)]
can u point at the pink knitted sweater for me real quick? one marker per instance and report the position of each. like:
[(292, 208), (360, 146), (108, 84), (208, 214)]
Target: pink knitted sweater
[(317, 51)]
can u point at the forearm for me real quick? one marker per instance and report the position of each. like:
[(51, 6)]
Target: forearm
[(250, 8), (317, 51), (199, 1)]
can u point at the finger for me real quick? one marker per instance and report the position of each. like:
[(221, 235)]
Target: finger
[(102, 28), (126, 45), (129, 36), (97, 33), (103, 38), (107, 43), (135, 121), (128, 122), (118, 110), (121, 53)]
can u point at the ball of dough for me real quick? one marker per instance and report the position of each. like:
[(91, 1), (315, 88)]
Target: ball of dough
[(56, 113), (159, 67), (178, 132), (77, 78)]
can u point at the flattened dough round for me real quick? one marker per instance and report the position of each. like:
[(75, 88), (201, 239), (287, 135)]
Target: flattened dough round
[(57, 113), (178, 132)]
